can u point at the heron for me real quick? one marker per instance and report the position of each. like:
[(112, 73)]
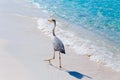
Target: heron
[(57, 44)]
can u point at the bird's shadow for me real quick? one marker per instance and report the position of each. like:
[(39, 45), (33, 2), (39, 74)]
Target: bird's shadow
[(77, 74), (74, 74)]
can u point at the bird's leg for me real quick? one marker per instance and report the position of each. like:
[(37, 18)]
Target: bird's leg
[(51, 58), (54, 54), (60, 60)]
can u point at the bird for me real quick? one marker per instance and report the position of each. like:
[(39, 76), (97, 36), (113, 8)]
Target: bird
[(57, 44)]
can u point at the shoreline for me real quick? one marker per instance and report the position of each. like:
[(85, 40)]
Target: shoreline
[(77, 39), (23, 50)]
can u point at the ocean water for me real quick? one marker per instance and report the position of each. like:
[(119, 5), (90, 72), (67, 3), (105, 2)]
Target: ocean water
[(90, 27)]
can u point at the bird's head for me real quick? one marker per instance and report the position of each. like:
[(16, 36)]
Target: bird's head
[(52, 20)]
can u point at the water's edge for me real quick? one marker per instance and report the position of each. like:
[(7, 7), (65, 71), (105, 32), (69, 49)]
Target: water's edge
[(81, 42)]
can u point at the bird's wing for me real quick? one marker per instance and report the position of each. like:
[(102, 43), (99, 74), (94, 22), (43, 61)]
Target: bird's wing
[(57, 43)]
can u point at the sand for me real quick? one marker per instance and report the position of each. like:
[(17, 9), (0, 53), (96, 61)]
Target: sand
[(23, 49)]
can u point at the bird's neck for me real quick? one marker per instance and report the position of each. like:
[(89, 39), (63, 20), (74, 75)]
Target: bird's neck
[(54, 29)]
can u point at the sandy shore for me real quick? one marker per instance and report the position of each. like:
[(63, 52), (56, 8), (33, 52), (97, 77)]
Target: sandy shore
[(23, 49)]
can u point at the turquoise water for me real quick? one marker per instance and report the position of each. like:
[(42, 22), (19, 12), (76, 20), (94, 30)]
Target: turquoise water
[(99, 17)]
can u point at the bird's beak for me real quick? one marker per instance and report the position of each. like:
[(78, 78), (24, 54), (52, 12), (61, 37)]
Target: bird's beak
[(50, 20)]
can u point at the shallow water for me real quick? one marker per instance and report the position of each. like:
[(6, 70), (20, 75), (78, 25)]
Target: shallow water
[(90, 27), (101, 16)]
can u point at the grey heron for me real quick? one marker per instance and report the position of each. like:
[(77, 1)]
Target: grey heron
[(57, 44)]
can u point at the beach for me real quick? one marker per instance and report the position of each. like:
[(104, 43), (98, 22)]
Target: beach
[(23, 49)]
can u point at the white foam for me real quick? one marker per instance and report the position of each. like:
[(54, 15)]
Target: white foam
[(34, 3)]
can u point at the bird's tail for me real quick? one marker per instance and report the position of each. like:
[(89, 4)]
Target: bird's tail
[(62, 51)]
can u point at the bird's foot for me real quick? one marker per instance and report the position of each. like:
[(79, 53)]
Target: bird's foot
[(49, 60), (60, 66)]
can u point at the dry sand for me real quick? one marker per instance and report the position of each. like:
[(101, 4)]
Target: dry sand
[(23, 49)]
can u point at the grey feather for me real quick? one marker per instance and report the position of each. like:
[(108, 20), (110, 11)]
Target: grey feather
[(58, 45)]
